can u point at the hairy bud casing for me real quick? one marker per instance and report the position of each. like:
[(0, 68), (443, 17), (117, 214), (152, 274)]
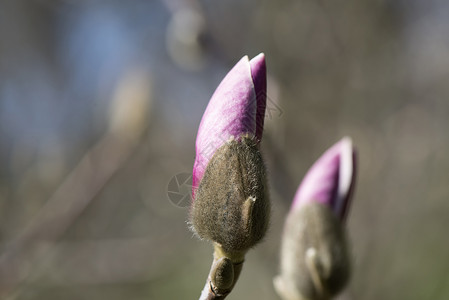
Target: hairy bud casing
[(231, 205), (315, 263)]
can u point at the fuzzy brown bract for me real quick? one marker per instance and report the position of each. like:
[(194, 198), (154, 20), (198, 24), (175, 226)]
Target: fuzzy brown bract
[(315, 263), (231, 205)]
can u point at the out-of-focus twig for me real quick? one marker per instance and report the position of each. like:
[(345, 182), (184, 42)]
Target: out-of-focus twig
[(128, 118), (175, 5)]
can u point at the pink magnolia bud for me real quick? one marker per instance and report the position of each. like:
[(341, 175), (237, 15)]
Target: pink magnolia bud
[(231, 205), (315, 261), (236, 108)]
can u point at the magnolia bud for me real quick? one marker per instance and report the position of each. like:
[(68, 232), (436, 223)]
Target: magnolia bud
[(230, 198), (315, 263), (231, 206), (222, 275)]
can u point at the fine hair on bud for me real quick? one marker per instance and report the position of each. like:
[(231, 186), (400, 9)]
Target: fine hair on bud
[(315, 261), (231, 205)]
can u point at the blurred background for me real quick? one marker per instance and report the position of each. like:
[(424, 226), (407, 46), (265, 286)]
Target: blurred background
[(100, 102)]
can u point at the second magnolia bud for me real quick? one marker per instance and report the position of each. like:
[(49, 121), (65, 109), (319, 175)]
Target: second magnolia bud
[(231, 205), (315, 263)]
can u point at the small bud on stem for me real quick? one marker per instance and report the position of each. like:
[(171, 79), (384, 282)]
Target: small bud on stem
[(223, 275)]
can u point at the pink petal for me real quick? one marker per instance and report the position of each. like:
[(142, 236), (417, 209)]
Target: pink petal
[(259, 75), (233, 110), (330, 180)]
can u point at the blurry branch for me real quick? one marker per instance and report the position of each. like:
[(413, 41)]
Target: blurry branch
[(175, 5), (187, 38), (128, 119), (107, 261)]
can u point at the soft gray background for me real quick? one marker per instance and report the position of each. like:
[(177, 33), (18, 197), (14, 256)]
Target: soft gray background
[(99, 106)]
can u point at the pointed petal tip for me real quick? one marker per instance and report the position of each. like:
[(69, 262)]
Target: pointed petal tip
[(330, 180), (244, 60), (258, 64), (259, 58), (347, 146), (347, 141), (259, 77), (347, 174)]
